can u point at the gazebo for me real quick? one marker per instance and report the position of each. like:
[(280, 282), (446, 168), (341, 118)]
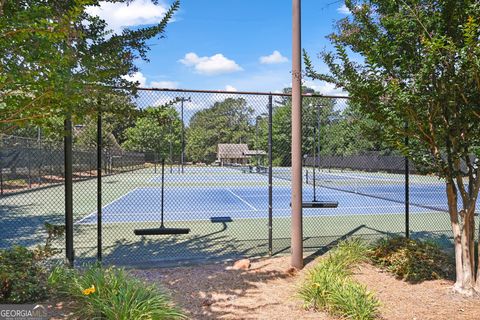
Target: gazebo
[(236, 154)]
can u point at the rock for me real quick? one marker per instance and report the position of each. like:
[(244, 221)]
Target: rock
[(243, 264), (207, 302), (291, 271)]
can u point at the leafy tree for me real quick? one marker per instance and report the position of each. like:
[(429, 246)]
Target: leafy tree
[(119, 113), (421, 65), (158, 130), (352, 132), (56, 59), (86, 136), (48, 131), (30, 63), (228, 121), (314, 109)]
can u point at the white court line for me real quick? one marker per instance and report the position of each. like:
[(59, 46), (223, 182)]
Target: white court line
[(360, 177), (94, 213), (240, 211), (275, 217), (342, 192), (241, 199), (108, 216)]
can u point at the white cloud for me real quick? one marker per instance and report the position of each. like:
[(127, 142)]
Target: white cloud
[(274, 58), (325, 88), (164, 84), (216, 64), (120, 15), (137, 77), (143, 83), (343, 10), (230, 88), (163, 100)]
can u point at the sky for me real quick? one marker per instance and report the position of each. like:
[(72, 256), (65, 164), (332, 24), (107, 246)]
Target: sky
[(233, 45)]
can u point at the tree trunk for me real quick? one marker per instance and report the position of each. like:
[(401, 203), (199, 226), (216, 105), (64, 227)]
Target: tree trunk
[(477, 283), (464, 282), (468, 280)]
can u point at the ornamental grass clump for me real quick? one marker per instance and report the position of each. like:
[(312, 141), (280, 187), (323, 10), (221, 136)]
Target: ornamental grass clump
[(110, 293), (330, 287), (412, 260)]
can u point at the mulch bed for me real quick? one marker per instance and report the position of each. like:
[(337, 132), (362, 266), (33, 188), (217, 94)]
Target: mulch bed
[(268, 291)]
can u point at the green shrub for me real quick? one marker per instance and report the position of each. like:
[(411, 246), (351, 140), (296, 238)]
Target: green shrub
[(22, 277), (54, 232), (23, 272), (112, 294), (329, 285), (412, 260)]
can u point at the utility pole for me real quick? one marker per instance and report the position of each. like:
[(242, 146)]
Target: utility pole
[(297, 226)]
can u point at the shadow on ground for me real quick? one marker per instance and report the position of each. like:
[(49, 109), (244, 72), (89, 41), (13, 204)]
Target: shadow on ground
[(211, 292), (18, 228)]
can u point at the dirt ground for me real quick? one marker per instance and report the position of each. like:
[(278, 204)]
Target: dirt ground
[(268, 291)]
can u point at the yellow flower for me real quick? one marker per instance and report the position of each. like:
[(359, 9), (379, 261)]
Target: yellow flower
[(89, 291)]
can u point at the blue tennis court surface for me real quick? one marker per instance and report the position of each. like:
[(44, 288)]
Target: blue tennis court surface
[(202, 203)]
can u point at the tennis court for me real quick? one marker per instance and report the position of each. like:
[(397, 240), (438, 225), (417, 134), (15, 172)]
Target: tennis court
[(370, 205), (369, 189), (357, 194)]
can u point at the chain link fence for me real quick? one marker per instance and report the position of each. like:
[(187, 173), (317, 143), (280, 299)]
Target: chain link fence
[(218, 164)]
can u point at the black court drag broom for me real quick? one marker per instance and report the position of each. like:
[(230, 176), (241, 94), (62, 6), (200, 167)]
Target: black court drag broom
[(162, 229), (315, 203)]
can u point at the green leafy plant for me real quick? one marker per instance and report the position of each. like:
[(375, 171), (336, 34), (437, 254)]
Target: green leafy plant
[(22, 277), (23, 272), (420, 66), (112, 294), (412, 260), (54, 232), (329, 285)]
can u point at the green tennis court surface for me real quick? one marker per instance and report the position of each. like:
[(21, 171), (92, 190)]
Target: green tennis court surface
[(132, 200)]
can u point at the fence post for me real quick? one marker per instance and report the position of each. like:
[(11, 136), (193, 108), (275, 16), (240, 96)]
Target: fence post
[(407, 190), (155, 162), (270, 177), (90, 165), (183, 137), (1, 174), (99, 187), (68, 190), (29, 165)]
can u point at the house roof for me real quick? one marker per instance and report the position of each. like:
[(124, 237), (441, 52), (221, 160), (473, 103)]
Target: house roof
[(231, 150)]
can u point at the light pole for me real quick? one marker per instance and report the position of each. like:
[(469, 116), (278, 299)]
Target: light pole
[(170, 142), (319, 136), (182, 158), (259, 118)]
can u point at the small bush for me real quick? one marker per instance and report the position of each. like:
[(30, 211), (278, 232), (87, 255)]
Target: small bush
[(329, 285), (412, 260), (23, 272), (22, 277), (110, 293)]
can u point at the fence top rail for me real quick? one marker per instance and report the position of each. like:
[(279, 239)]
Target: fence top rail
[(257, 93)]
